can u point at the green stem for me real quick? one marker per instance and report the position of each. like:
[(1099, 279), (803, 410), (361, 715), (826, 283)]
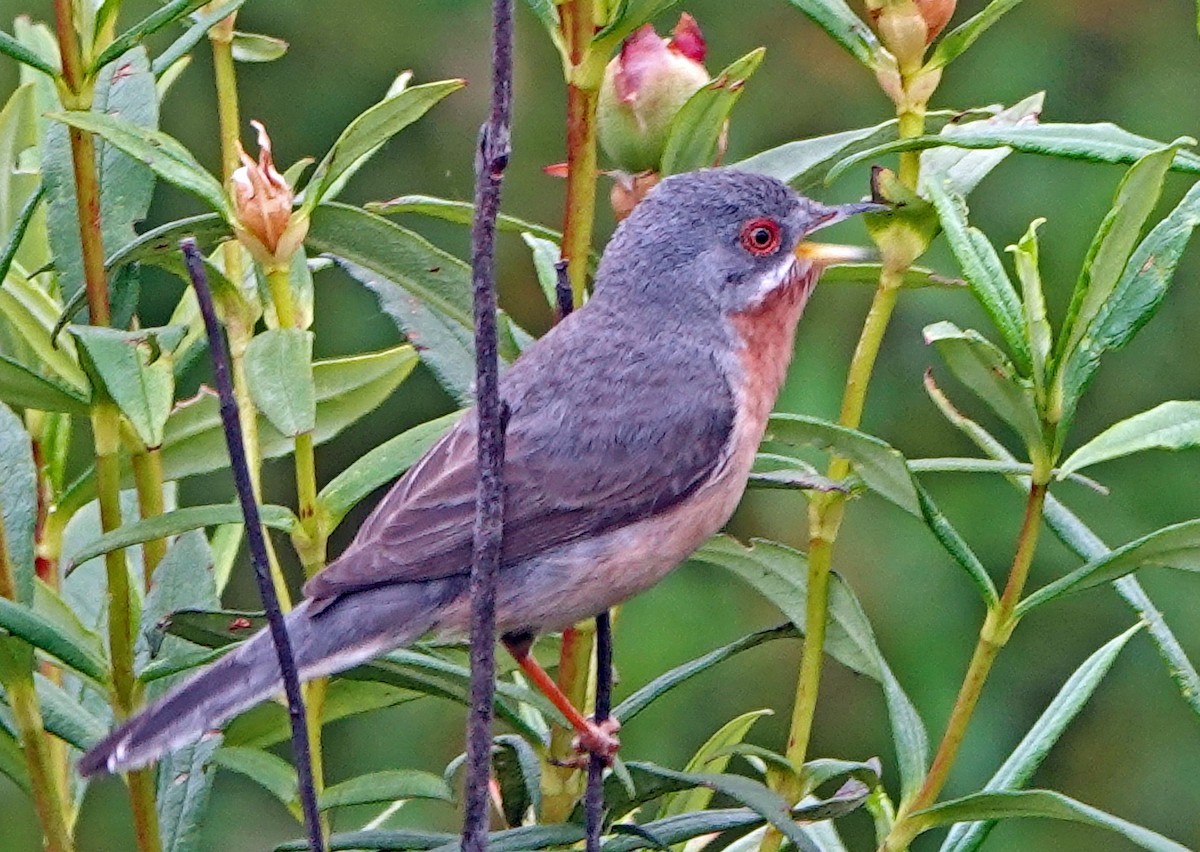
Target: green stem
[(912, 123), (48, 800), (148, 479), (583, 92), (994, 635)]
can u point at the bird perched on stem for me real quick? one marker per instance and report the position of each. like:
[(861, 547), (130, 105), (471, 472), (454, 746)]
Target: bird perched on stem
[(632, 428)]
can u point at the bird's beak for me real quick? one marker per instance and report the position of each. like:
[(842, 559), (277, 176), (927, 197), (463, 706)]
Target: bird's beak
[(830, 254)]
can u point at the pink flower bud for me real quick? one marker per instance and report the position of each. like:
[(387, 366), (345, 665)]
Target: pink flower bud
[(262, 202), (644, 87), (937, 13)]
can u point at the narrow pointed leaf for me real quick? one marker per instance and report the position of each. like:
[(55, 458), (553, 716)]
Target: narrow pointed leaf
[(380, 466), (697, 127), (12, 758), (12, 48), (1047, 804), (1099, 143), (160, 245), (382, 840), (165, 155), (12, 242), (24, 623), (256, 47), (844, 27), (1024, 760), (961, 169), (168, 13), (370, 130), (868, 273), (18, 502), (176, 522), (1176, 546), (954, 43), (1037, 327), (65, 717), (981, 265), (386, 786), (655, 689), (459, 212), (626, 17), (1114, 241), (1171, 426), (194, 34), (713, 756)]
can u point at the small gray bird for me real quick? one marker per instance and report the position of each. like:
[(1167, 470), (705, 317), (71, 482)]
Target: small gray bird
[(633, 426)]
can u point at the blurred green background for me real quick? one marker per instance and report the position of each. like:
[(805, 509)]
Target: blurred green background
[(1133, 751)]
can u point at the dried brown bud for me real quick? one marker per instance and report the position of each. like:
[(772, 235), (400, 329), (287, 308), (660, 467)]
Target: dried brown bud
[(262, 202), (628, 190)]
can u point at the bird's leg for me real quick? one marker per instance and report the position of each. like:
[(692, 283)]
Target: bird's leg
[(598, 738)]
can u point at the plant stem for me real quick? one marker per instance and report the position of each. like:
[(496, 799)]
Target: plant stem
[(562, 783), (583, 92), (994, 635), (48, 799), (148, 479)]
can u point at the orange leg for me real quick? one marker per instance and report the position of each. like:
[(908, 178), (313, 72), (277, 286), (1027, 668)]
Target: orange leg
[(599, 739)]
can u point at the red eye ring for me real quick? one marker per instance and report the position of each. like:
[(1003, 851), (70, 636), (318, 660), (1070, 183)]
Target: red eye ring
[(760, 237)]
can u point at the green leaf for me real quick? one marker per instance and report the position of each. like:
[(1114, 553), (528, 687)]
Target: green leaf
[(256, 47), (268, 723), (367, 133), (546, 12), (954, 43), (844, 27), (868, 273), (12, 48), (166, 14), (546, 255), (1087, 545), (1098, 143), (696, 129), (165, 155), (176, 522), (1135, 298), (805, 162), (982, 367), (1037, 327), (961, 169), (1171, 426), (26, 624), (279, 375), (459, 212), (396, 254), (713, 756), (981, 265), (13, 241), (382, 839), (136, 371), (65, 717), (627, 17), (1115, 239), (12, 759), (125, 92), (31, 312), (273, 774), (211, 627), (1024, 760), (194, 34), (390, 785), (1176, 546), (518, 769), (52, 606), (380, 466), (160, 246), (655, 689), (346, 388), (18, 501), (1039, 803), (746, 791)]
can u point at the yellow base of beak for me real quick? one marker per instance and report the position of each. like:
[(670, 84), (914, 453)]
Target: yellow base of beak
[(829, 254)]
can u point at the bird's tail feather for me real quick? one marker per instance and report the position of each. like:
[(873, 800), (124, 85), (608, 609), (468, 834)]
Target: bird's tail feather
[(324, 641)]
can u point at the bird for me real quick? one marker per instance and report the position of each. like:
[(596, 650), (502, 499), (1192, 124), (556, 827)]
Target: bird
[(632, 427)]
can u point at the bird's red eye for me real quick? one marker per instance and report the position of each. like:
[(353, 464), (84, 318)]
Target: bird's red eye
[(760, 236)]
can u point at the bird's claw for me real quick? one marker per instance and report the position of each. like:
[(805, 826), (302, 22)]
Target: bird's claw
[(599, 740)]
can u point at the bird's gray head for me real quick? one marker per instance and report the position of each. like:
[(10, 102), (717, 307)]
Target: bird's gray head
[(715, 238)]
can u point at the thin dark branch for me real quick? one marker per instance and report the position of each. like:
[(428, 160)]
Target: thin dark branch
[(562, 290), (594, 797), (490, 163), (257, 544)]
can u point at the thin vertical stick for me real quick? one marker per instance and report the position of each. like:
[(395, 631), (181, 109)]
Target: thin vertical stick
[(594, 799), (257, 543), (490, 163)]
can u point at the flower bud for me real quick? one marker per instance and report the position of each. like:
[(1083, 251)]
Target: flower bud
[(644, 87), (937, 13), (262, 203)]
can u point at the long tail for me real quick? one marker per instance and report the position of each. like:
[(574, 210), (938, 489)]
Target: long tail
[(350, 631)]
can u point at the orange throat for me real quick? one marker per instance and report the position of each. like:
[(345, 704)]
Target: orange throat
[(766, 335)]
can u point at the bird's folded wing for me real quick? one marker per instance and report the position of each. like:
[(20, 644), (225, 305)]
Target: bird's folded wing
[(571, 470)]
